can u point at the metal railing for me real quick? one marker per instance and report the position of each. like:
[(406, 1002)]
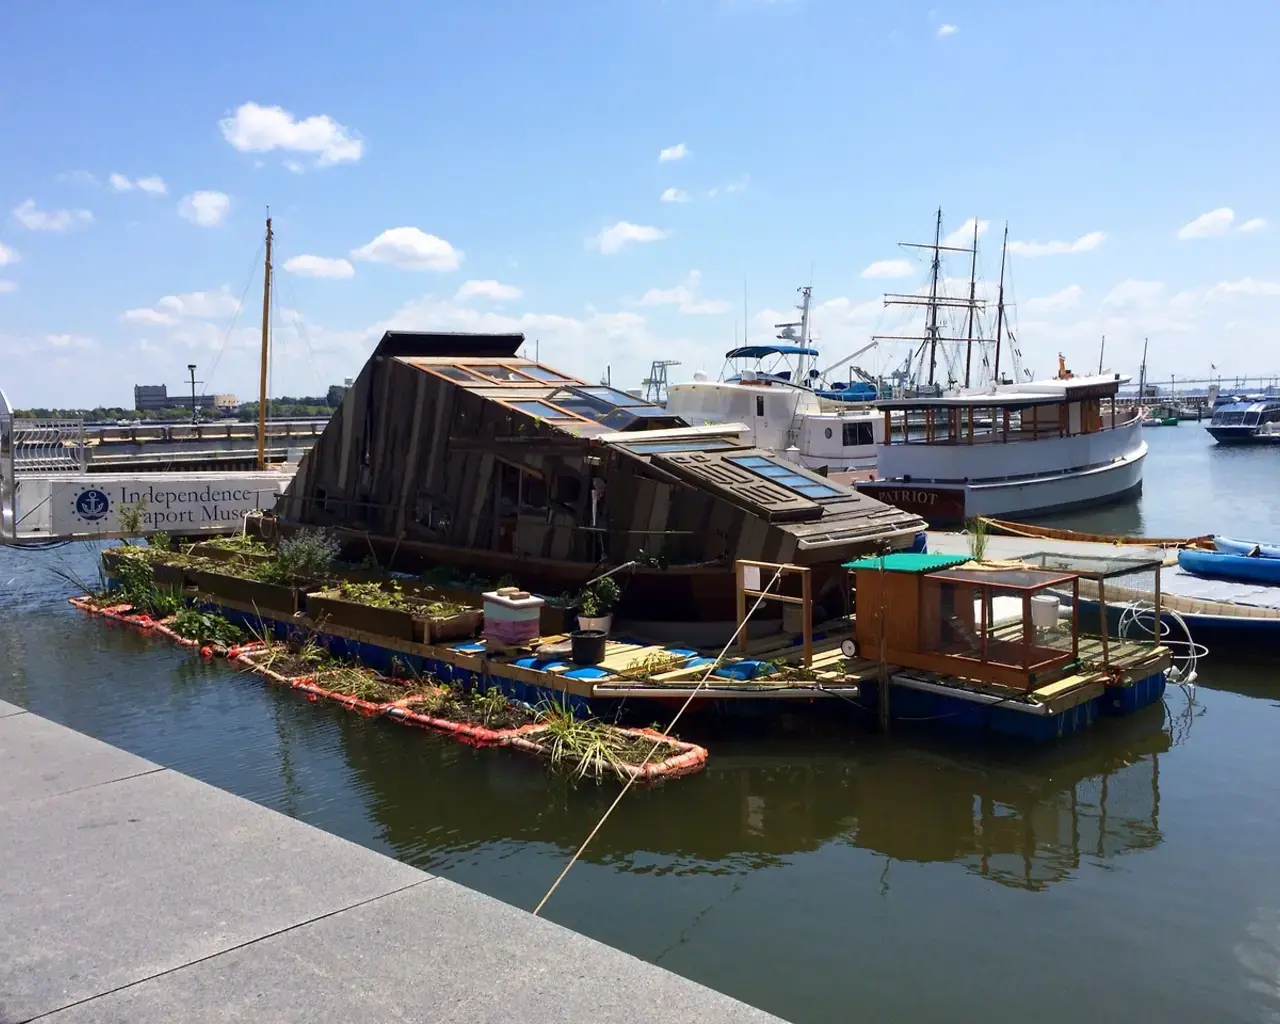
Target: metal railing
[(41, 447)]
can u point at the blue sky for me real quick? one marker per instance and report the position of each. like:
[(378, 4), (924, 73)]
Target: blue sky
[(504, 143)]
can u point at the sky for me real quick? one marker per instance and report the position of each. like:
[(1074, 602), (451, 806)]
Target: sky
[(620, 179)]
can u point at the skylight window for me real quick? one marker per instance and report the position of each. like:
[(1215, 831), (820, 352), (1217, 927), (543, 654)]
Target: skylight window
[(787, 476), (540, 409)]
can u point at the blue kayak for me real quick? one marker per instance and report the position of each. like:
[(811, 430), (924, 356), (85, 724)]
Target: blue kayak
[(1223, 566), (1245, 547)]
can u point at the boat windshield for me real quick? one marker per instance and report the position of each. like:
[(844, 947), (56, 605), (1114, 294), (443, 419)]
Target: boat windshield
[(1228, 419), (1251, 419)]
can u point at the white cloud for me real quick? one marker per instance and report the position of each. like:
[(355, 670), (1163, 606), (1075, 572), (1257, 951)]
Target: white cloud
[(208, 209), (1253, 224), (947, 30), (149, 317), (8, 286), (1134, 293), (623, 233), (319, 266), (496, 291), (674, 195), (1208, 225), (962, 237), (730, 188), (200, 305), (1058, 302), (1245, 286), (257, 129), (889, 268), (411, 249), (68, 341), (154, 184), (677, 152), (685, 298), (76, 178), (8, 255), (49, 220), (1085, 243), (294, 167)]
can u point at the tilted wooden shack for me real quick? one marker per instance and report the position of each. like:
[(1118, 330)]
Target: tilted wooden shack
[(451, 449)]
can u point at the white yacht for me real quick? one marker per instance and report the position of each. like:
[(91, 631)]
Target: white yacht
[(1009, 448), (1013, 450), (785, 405)]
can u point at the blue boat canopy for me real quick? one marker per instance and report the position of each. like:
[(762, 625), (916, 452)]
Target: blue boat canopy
[(760, 351)]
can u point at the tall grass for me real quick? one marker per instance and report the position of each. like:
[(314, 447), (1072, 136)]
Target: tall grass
[(976, 528)]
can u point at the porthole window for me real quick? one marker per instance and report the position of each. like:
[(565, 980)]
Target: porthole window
[(828, 433)]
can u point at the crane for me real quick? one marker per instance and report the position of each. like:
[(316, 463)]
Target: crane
[(848, 358)]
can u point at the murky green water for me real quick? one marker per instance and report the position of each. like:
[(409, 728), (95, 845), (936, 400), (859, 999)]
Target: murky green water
[(1130, 874)]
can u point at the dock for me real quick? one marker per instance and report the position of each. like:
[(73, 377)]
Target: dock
[(133, 893)]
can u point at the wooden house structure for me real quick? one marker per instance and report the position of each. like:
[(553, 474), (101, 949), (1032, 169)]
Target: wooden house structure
[(451, 449), (990, 624)]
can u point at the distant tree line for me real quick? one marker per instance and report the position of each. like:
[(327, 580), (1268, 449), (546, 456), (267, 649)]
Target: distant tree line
[(286, 407)]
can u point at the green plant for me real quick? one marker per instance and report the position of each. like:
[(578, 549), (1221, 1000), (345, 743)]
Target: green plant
[(976, 528), (130, 518), (206, 627), (358, 682), (506, 580), (96, 590), (160, 540), (598, 597), (240, 542), (589, 747), (653, 664), (307, 555), (163, 602)]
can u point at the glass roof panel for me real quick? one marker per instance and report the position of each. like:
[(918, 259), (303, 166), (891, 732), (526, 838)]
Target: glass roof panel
[(545, 373), (613, 396), (542, 409), (786, 475)]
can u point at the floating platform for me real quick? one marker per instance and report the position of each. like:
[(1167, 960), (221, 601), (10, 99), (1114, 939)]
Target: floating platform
[(762, 680)]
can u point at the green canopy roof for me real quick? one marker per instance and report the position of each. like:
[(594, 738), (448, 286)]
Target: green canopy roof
[(908, 561)]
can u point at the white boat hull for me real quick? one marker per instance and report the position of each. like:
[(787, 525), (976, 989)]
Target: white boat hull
[(949, 502)]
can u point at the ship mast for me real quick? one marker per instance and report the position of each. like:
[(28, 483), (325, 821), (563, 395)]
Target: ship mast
[(1000, 302), (266, 341), (934, 301), (973, 292)]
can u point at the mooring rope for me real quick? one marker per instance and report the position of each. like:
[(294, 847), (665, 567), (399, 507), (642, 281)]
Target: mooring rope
[(665, 733)]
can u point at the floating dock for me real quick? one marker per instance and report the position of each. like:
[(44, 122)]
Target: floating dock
[(129, 892)]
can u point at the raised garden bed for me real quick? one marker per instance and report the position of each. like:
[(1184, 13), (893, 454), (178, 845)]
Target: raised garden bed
[(392, 610), (275, 597)]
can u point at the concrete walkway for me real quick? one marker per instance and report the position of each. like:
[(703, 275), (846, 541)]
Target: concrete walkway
[(131, 893)]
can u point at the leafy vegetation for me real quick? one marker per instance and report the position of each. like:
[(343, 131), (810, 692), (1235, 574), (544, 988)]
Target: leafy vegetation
[(206, 628), (653, 664), (598, 597), (307, 555), (240, 542), (976, 528), (392, 595), (490, 708), (589, 747)]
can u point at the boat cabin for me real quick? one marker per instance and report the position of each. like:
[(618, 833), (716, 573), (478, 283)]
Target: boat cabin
[(453, 449), (1245, 421), (991, 625)]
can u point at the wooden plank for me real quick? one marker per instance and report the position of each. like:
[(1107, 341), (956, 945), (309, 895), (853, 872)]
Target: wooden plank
[(480, 505), (411, 458)]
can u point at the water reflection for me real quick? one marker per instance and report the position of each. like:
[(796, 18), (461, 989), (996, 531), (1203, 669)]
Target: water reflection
[(1016, 817)]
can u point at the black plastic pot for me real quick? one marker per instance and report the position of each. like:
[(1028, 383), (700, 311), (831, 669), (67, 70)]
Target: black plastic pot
[(587, 646)]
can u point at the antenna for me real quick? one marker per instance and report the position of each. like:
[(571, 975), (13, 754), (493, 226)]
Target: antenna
[(744, 311)]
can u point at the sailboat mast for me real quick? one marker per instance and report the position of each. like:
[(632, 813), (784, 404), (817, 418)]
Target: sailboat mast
[(973, 294), (266, 341), (1000, 306), (805, 292), (1142, 374), (933, 297)]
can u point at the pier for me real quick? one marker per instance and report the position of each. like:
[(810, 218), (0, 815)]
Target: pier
[(130, 892)]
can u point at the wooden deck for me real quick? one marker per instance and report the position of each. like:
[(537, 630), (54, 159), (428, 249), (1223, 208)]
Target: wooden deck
[(831, 672)]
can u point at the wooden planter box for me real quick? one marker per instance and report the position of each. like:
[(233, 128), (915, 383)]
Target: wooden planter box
[(456, 627), (220, 554), (167, 575), (395, 623), (266, 597)]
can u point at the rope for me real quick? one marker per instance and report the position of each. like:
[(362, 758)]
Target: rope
[(665, 733)]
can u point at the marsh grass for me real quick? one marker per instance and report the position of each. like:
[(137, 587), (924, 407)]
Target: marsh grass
[(589, 748)]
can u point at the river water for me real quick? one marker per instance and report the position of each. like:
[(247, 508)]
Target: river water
[(1128, 874)]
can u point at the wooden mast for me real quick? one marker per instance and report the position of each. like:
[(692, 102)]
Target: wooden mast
[(266, 341), (1000, 307)]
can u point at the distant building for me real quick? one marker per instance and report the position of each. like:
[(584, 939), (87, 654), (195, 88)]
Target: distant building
[(223, 403), (156, 397)]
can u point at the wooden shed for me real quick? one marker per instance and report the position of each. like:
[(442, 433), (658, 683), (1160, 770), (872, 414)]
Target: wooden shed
[(452, 449)]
